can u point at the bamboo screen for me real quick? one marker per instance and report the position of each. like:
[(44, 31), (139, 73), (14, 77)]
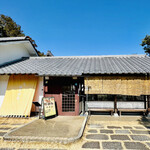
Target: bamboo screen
[(130, 85)]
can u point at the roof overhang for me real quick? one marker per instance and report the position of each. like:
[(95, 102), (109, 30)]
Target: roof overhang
[(23, 41)]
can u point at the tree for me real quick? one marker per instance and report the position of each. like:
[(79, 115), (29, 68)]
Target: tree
[(9, 28), (146, 44)]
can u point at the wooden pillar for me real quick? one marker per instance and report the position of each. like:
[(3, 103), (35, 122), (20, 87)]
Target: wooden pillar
[(115, 104), (83, 104), (148, 104), (76, 104)]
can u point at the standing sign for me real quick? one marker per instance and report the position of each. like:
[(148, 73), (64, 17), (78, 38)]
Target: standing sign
[(49, 106)]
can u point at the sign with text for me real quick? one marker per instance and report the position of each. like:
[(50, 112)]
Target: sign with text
[(49, 106)]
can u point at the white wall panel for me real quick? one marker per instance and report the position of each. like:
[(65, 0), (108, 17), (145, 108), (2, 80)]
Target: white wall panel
[(3, 86), (131, 105), (12, 52)]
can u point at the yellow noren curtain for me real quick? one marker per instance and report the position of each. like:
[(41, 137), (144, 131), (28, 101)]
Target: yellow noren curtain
[(19, 95)]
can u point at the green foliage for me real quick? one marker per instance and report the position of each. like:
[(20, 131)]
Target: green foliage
[(146, 44), (9, 28)]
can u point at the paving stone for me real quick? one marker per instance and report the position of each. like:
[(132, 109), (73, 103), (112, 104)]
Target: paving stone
[(2, 133), (91, 145), (15, 124), (119, 137), (13, 128), (92, 131), (122, 131), (112, 145), (148, 144), (140, 137), (127, 127), (135, 145), (5, 124), (52, 149), (138, 127), (113, 127), (5, 128), (26, 149), (95, 126), (97, 136), (106, 131), (140, 132), (7, 148)]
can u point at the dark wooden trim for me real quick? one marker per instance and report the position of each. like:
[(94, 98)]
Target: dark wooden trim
[(132, 110), (115, 104), (101, 110), (148, 103)]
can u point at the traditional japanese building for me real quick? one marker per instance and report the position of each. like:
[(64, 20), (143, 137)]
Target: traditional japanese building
[(117, 83)]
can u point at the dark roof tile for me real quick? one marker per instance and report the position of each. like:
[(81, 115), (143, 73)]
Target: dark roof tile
[(80, 65)]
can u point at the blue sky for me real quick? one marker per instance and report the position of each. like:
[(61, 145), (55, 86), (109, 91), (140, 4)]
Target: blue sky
[(82, 27)]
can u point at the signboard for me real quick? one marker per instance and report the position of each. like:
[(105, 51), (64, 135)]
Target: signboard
[(49, 106)]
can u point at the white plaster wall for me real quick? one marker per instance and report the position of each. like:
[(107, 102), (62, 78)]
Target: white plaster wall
[(130, 105), (3, 86), (12, 52), (99, 104)]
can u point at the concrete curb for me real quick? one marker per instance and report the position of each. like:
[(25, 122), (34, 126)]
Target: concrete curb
[(45, 139)]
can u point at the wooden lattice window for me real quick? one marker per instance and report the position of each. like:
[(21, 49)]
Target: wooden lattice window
[(68, 102)]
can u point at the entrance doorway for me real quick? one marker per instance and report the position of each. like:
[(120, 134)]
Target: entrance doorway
[(66, 91)]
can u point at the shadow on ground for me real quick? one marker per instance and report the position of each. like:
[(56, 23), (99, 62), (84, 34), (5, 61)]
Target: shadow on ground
[(145, 121)]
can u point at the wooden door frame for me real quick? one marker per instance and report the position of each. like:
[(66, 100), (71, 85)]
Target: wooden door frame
[(76, 112)]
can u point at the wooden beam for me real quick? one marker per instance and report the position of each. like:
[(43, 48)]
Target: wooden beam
[(115, 103)]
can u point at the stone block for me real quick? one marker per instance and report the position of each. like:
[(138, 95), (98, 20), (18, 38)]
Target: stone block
[(135, 145), (113, 127), (140, 137), (92, 131), (106, 131), (91, 145), (140, 132), (97, 136), (112, 145), (120, 137), (122, 131)]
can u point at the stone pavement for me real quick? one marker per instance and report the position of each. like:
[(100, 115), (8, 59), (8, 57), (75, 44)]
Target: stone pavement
[(117, 133), (101, 132)]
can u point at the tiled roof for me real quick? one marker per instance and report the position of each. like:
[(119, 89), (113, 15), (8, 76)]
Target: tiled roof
[(80, 65)]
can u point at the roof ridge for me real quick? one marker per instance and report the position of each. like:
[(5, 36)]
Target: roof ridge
[(93, 56), (12, 38)]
